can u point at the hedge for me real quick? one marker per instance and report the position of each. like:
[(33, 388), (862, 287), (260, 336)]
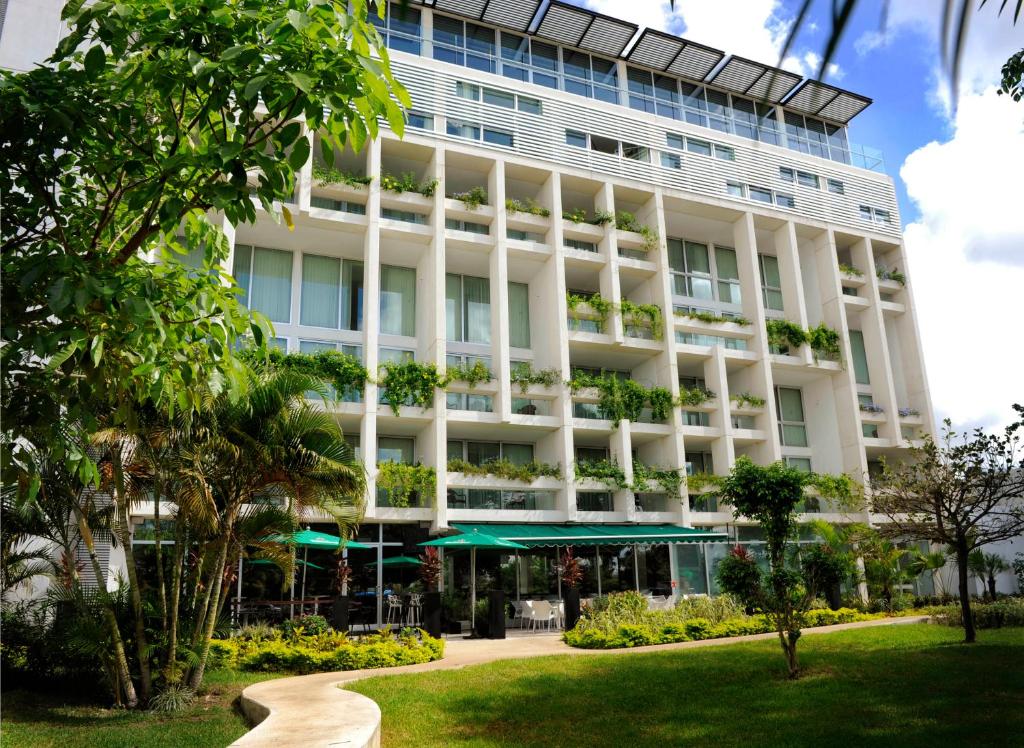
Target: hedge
[(694, 629), (1005, 612), (309, 655)]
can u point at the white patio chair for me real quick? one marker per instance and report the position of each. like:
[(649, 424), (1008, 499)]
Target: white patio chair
[(394, 603), (541, 612), (415, 607), (517, 607)]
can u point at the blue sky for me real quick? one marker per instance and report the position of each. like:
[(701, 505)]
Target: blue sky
[(956, 169)]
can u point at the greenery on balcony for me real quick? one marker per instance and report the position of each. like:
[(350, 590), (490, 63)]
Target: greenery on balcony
[(599, 305), (404, 483), (624, 399), (850, 270), (871, 408), (695, 396), (527, 473), (746, 399), (577, 215), (602, 218), (326, 175), (523, 374), (407, 182), (885, 273), (473, 375), (909, 412), (823, 340), (472, 198), (410, 383), (669, 479), (606, 471), (626, 221), (344, 372), (644, 316), (526, 205), (712, 319)]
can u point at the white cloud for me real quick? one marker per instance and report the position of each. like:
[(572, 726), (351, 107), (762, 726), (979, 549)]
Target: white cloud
[(758, 36), (966, 253)]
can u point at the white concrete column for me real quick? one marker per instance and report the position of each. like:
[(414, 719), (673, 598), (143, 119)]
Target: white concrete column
[(792, 282), (371, 323)]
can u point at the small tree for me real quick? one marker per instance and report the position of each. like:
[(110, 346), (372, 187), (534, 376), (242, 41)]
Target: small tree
[(430, 568), (739, 575), (965, 491), (572, 574), (772, 495), (986, 567)]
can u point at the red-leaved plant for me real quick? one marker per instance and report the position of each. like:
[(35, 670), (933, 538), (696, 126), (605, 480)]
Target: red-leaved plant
[(430, 568), (572, 574)]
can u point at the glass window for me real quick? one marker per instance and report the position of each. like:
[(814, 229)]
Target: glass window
[(865, 213), (761, 195), (807, 180), (802, 464), (400, 28), (395, 449), (790, 409), (529, 105), (870, 430), (604, 145), (576, 138), (701, 147), (519, 315), (544, 58), (636, 152), (498, 137), (419, 121), (724, 153), (728, 275), (860, 357), (267, 283), (468, 308), (671, 161), (786, 174), (321, 291), (463, 129), (735, 189), (467, 91), (882, 216), (499, 98), (517, 454), (397, 301), (837, 187), (675, 141), (785, 201), (477, 453), (771, 282)]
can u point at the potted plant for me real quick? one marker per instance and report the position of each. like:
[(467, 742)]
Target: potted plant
[(430, 572), (572, 574), (339, 612)]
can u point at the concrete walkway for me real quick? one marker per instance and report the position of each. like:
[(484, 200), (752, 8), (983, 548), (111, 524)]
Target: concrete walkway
[(311, 710)]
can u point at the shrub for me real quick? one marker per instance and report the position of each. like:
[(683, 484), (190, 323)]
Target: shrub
[(739, 574), (311, 625), (1006, 612)]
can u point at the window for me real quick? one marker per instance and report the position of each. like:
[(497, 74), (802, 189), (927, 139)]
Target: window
[(467, 401), (836, 187), (395, 449), (351, 394), (332, 293), (524, 236), (882, 216), (860, 357), (693, 338), (602, 144), (519, 315), (469, 91), (419, 121), (499, 98), (803, 464), (728, 273), (866, 213), (498, 137), (636, 152), (594, 501), (761, 195), (870, 430), (725, 153), (342, 206), (805, 179), (405, 216), (790, 409), (784, 201), (468, 309), (671, 161), (580, 245), (400, 28), (875, 215), (477, 453), (460, 129), (699, 462), (691, 264), (700, 147), (786, 174), (464, 43), (735, 189), (265, 276), (467, 226), (695, 418), (771, 282), (397, 301), (743, 422), (576, 138), (529, 105)]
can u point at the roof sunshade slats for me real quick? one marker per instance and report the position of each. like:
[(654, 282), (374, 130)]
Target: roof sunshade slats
[(822, 100), (755, 80), (672, 54), (510, 14), (577, 27)]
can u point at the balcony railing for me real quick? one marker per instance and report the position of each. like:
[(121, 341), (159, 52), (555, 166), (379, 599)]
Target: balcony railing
[(478, 498)]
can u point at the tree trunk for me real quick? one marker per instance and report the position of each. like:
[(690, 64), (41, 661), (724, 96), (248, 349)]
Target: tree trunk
[(127, 687), (965, 591), (124, 520), (158, 552), (204, 608), (171, 667), (992, 586), (211, 616)]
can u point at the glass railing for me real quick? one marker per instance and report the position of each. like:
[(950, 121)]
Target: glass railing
[(594, 501), (473, 498), (651, 502)]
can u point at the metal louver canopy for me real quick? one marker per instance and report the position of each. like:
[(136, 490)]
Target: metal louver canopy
[(754, 79), (673, 54), (822, 100), (577, 27), (516, 15)]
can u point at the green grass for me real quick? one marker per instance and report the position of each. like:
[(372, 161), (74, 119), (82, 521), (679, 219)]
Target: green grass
[(909, 685), (34, 720)]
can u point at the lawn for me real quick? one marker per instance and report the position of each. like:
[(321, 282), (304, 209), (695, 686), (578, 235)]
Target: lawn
[(909, 685), (33, 720)]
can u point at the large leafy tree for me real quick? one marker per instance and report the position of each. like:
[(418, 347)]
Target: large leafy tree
[(773, 495), (151, 117), (963, 491)]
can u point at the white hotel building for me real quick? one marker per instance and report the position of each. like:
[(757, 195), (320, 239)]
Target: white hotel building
[(745, 174)]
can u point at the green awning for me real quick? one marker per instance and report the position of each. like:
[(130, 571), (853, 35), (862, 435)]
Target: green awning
[(536, 535)]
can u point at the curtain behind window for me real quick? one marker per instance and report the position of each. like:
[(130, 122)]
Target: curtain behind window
[(477, 293), (397, 301), (519, 315), (453, 307), (241, 270), (321, 291), (351, 295), (272, 283), (860, 357)]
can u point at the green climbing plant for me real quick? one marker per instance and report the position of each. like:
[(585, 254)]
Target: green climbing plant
[(606, 471), (850, 270), (600, 305), (410, 383), (577, 215), (711, 318), (626, 221), (643, 316), (344, 372), (523, 374), (624, 399), (745, 398), (670, 480), (506, 469), (602, 217), (473, 375), (785, 334), (824, 342), (325, 175), (403, 482), (694, 396)]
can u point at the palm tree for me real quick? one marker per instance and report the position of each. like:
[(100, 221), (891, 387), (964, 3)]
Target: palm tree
[(841, 540), (883, 569), (987, 566), (934, 562), (271, 439)]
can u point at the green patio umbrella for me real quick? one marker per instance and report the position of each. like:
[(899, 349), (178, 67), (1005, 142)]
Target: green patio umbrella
[(398, 561), (312, 539), (472, 541), (268, 562)]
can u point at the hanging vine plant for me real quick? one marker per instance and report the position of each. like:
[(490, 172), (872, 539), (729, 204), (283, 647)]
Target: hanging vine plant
[(711, 318), (472, 198), (527, 473), (643, 315), (601, 306), (824, 342), (402, 482), (695, 396), (325, 175), (473, 375), (624, 399), (661, 403), (669, 480), (606, 471), (524, 375), (410, 383), (785, 334), (745, 398), (344, 372)]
